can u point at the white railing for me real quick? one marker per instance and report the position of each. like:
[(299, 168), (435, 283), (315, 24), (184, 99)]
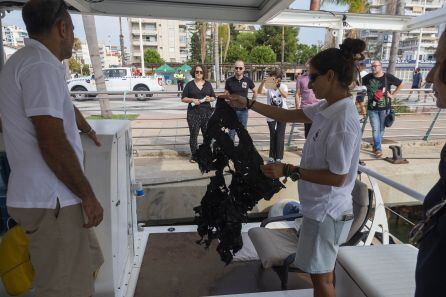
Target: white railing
[(379, 222)]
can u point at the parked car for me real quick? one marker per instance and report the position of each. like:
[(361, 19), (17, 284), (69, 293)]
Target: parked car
[(117, 79)]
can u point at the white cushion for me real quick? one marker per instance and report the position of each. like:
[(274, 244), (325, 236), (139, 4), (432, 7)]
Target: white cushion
[(381, 270)]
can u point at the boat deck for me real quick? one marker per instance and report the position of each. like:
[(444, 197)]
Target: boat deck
[(175, 265)]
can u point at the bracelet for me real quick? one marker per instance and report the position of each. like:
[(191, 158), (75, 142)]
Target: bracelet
[(88, 132)]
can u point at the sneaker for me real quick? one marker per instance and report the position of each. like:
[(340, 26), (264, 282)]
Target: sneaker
[(278, 160), (192, 161), (378, 154), (270, 160)]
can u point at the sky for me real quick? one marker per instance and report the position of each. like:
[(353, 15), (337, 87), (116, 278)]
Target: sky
[(108, 27)]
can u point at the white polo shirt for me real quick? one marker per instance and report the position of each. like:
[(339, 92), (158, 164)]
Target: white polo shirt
[(32, 83), (333, 143)]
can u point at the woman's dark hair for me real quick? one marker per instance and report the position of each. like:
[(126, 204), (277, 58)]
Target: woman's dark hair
[(341, 60), (194, 68), (41, 15), (276, 73)]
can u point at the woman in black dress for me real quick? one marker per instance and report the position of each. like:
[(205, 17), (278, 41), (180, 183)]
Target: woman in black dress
[(198, 93)]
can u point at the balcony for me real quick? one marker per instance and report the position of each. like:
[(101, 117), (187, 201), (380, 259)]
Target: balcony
[(145, 43)]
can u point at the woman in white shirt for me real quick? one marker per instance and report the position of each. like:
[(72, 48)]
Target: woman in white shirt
[(275, 96), (329, 163)]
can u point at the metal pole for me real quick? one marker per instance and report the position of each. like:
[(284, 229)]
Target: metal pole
[(2, 50), (428, 132), (141, 48)]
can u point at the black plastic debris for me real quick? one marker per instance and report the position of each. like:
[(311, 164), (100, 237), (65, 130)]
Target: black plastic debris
[(223, 209)]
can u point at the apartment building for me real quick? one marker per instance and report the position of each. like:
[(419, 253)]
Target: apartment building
[(378, 42), (14, 36), (110, 55), (171, 38)]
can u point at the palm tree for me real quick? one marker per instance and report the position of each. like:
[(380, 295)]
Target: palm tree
[(224, 33), (203, 29), (93, 48)]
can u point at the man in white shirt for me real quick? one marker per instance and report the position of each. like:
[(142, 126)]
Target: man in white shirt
[(48, 192)]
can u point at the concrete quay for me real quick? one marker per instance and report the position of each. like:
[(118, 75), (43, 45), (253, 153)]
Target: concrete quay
[(174, 185)]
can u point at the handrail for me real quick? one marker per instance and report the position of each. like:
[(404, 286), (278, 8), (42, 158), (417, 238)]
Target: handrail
[(400, 187)]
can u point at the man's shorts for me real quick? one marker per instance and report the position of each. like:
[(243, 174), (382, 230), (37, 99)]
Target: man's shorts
[(319, 242), (64, 255), (360, 97)]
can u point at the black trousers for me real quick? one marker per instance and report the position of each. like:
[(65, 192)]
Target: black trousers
[(307, 128), (197, 118), (277, 139), (180, 85)]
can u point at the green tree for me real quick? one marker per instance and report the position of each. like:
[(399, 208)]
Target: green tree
[(272, 36), (262, 55), (195, 51), (86, 69), (74, 65), (152, 57), (305, 52), (237, 52), (247, 40)]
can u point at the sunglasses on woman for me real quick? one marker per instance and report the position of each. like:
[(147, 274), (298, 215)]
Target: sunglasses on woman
[(198, 72), (313, 76)]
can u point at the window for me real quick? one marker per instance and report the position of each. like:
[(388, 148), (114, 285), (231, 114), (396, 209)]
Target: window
[(183, 39), (171, 49), (150, 27)]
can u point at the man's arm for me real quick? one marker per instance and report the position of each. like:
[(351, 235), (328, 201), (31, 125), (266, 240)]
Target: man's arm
[(81, 122), (85, 127), (254, 93), (396, 91), (62, 160)]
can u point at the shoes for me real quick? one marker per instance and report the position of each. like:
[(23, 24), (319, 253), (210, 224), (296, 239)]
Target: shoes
[(378, 153), (270, 160), (362, 120), (192, 161), (278, 160)]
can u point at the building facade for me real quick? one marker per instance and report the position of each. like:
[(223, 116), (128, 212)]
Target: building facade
[(378, 42), (170, 38), (14, 36)]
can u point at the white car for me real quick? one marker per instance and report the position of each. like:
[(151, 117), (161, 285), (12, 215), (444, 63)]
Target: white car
[(117, 79)]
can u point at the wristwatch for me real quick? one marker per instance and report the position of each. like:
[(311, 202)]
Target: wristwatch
[(295, 174)]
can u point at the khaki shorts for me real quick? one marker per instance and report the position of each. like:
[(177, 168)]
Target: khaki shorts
[(63, 253)]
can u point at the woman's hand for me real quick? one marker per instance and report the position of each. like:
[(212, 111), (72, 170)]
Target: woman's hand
[(235, 100), (196, 102), (273, 170)]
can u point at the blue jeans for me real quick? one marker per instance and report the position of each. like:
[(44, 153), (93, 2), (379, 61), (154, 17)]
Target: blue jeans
[(377, 121), (242, 116)]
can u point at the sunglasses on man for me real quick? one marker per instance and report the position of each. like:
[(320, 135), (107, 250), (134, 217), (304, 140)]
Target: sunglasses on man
[(238, 68)]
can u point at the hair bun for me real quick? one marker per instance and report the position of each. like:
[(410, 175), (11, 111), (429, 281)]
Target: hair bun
[(352, 47)]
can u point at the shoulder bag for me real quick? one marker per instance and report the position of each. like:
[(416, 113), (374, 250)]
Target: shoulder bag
[(390, 116)]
